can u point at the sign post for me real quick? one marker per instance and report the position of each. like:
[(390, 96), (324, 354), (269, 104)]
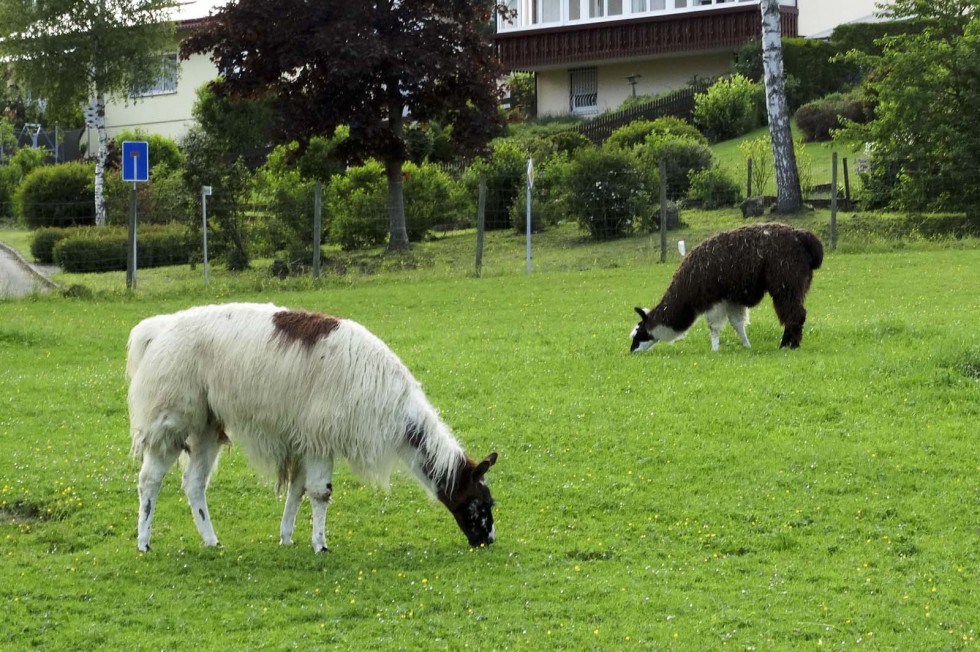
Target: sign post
[(135, 168)]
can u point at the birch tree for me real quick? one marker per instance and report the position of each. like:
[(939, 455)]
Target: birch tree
[(789, 197), (71, 52)]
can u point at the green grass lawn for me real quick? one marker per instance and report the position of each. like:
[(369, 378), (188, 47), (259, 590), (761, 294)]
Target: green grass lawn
[(824, 498)]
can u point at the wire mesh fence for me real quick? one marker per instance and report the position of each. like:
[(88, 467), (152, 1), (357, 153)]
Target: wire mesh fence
[(488, 218)]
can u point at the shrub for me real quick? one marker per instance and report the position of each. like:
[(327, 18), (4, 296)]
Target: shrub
[(568, 142), (548, 197), (714, 188), (818, 118), (164, 151), (43, 244), (608, 192), (728, 109), (91, 250), (57, 195), (358, 203), (759, 150), (682, 158), (636, 132), (18, 166), (504, 171)]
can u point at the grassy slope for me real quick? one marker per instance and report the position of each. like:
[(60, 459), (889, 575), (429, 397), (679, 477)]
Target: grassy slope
[(678, 499)]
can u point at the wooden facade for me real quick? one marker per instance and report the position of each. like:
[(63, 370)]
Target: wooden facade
[(651, 36)]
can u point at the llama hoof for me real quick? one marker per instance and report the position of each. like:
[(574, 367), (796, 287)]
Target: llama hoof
[(285, 542), (322, 550)]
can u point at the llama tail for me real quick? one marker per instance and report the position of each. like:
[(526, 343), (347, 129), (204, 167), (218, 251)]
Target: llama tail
[(139, 340), (813, 247)]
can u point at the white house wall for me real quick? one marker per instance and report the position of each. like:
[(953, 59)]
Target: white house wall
[(820, 15), (167, 114), (656, 76)]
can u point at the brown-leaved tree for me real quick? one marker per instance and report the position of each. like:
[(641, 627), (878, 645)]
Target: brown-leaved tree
[(373, 65)]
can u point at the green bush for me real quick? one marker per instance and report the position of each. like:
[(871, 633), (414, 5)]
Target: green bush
[(505, 171), (548, 197), (568, 142), (358, 203), (728, 109), (635, 133), (818, 118), (57, 195), (18, 166), (163, 151), (91, 250), (44, 242), (608, 192), (681, 156), (714, 188), (811, 66)]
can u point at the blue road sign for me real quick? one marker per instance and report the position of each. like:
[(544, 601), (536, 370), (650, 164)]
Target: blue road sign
[(135, 160)]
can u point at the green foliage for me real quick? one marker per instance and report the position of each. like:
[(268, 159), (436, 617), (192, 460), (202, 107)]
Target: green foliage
[(923, 142), (608, 192), (635, 133), (568, 142), (56, 195), (819, 118), (714, 188), (524, 95), (549, 197), (288, 199), (44, 241), (813, 68), (164, 152), (682, 158), (17, 167), (358, 200), (115, 47), (759, 151), (504, 170), (96, 250), (236, 126), (728, 109), (209, 163)]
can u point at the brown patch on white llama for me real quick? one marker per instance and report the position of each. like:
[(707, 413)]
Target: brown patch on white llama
[(731, 272), (302, 326)]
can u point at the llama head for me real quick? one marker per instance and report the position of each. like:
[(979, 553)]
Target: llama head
[(640, 338), (471, 503)]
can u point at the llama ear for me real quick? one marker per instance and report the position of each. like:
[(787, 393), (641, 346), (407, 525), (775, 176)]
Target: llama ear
[(484, 466), (641, 312)]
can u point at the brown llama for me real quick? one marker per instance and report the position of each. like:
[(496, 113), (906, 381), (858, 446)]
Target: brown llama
[(729, 273)]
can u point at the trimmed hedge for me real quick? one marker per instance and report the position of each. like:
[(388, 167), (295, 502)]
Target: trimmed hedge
[(92, 250)]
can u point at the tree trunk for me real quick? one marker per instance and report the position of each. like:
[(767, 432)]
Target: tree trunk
[(397, 231), (100, 159), (789, 197)]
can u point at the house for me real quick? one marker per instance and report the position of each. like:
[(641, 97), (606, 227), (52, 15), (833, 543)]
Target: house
[(588, 56), (165, 109)]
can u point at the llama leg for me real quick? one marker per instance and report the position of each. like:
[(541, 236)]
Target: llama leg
[(202, 457), (739, 317), (716, 321), (155, 466), (319, 487), (792, 315), (294, 496)]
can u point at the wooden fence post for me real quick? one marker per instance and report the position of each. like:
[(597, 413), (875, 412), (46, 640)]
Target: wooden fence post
[(833, 202), (481, 212), (748, 181), (663, 210), (317, 226)]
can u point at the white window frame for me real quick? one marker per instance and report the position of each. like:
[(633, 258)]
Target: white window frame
[(583, 91), (166, 83)]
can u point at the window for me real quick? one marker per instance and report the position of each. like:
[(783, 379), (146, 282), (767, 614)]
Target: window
[(583, 99), (167, 81)]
